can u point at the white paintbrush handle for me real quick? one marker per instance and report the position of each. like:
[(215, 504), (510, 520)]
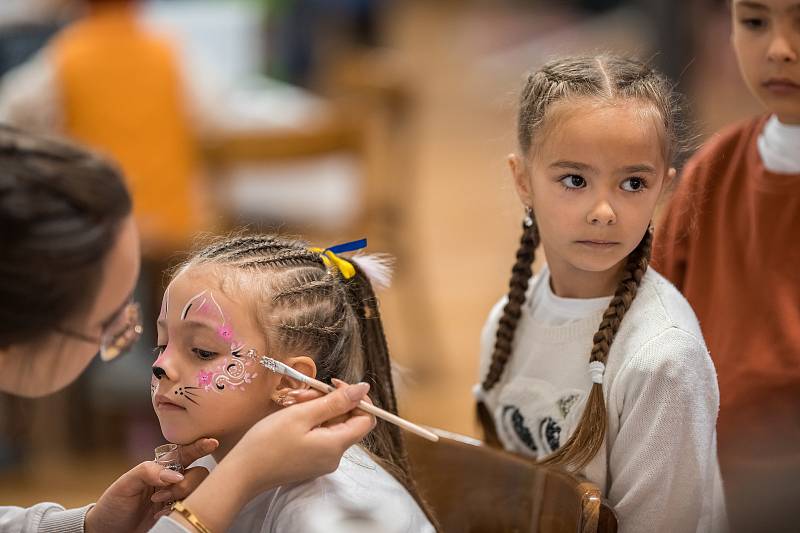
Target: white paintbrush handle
[(286, 370)]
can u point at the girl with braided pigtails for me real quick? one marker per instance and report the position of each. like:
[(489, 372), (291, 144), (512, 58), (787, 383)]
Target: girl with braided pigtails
[(597, 364), (317, 313)]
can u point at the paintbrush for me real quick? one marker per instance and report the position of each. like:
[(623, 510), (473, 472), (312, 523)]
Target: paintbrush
[(283, 369)]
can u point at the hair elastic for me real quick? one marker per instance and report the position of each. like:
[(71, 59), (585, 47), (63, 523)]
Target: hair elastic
[(330, 258), (596, 370)]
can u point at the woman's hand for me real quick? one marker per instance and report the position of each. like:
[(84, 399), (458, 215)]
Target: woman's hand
[(297, 443), (127, 505), (305, 440)]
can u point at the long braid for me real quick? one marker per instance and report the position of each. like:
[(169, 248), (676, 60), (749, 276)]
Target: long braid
[(506, 329), (586, 440)]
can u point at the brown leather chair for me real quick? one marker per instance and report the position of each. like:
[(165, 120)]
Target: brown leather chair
[(474, 488)]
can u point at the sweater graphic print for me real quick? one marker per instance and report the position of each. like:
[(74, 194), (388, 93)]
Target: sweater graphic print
[(534, 418)]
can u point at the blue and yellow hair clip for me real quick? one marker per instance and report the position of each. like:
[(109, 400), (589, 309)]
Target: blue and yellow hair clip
[(330, 258)]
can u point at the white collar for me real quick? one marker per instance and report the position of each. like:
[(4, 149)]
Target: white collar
[(779, 147)]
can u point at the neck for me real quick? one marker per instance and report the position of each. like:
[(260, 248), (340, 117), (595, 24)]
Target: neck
[(568, 281), (226, 444)]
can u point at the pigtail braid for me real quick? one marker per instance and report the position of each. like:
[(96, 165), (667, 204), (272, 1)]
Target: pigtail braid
[(588, 437), (506, 329)]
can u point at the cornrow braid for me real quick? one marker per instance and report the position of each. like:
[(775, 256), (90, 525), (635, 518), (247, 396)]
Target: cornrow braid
[(215, 249), (307, 307), (309, 287)]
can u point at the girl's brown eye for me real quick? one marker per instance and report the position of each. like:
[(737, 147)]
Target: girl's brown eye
[(634, 185), (573, 181)]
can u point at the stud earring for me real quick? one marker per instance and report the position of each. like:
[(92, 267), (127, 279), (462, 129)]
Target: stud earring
[(528, 220)]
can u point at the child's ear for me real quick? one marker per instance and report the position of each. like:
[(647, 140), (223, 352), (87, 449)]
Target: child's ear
[(522, 178), (302, 364)]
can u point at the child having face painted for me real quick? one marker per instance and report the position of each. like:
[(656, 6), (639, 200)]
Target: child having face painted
[(597, 363), (729, 242), (312, 311)]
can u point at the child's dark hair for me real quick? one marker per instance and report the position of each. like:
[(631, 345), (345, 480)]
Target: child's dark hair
[(308, 308), (60, 212), (597, 77)]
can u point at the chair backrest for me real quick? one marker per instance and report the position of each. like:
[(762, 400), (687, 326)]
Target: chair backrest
[(474, 488)]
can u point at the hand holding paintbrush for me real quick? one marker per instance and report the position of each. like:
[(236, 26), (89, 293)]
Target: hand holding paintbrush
[(283, 369)]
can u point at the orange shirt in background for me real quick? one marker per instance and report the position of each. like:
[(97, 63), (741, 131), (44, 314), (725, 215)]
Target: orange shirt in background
[(123, 95), (730, 241)]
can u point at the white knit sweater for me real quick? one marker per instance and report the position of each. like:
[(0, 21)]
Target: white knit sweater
[(658, 465)]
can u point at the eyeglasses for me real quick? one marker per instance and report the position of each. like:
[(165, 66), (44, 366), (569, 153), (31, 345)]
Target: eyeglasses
[(118, 335)]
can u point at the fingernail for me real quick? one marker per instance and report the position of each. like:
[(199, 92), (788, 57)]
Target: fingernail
[(161, 496), (172, 476), (337, 381), (356, 392), (210, 444), (295, 392)]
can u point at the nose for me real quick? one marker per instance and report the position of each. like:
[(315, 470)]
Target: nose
[(602, 214), (781, 50), (163, 366)]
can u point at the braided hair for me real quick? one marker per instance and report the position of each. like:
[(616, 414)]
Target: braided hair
[(307, 307), (601, 76)]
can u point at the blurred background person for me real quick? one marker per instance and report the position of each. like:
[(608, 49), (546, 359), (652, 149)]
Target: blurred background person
[(111, 83)]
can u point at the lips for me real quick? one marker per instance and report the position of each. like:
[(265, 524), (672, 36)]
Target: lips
[(163, 403), (781, 85), (598, 243)]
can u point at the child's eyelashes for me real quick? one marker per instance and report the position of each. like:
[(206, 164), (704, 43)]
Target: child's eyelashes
[(572, 182), (204, 354), (753, 23), (634, 185), (199, 352)]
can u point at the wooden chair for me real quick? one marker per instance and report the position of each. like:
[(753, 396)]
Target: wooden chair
[(474, 488)]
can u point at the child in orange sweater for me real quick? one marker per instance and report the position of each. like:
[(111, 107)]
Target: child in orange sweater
[(729, 242)]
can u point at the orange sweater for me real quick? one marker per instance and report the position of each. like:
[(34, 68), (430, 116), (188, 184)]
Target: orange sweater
[(730, 241), (122, 94)]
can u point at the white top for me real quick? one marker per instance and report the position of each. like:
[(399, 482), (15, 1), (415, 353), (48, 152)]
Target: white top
[(658, 465), (360, 496), (779, 147)]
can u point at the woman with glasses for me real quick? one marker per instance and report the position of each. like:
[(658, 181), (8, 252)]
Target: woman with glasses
[(69, 264)]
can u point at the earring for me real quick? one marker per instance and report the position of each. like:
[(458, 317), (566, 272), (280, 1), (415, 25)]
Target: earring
[(651, 228), (528, 220)]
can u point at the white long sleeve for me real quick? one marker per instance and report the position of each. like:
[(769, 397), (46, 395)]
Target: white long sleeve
[(42, 518), (662, 460), (658, 465)]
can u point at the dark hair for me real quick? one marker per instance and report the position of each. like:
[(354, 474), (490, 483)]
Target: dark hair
[(603, 76), (309, 308), (60, 211)]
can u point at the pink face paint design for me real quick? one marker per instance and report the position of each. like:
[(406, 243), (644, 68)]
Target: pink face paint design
[(206, 305), (204, 378), (231, 374), (162, 358)]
